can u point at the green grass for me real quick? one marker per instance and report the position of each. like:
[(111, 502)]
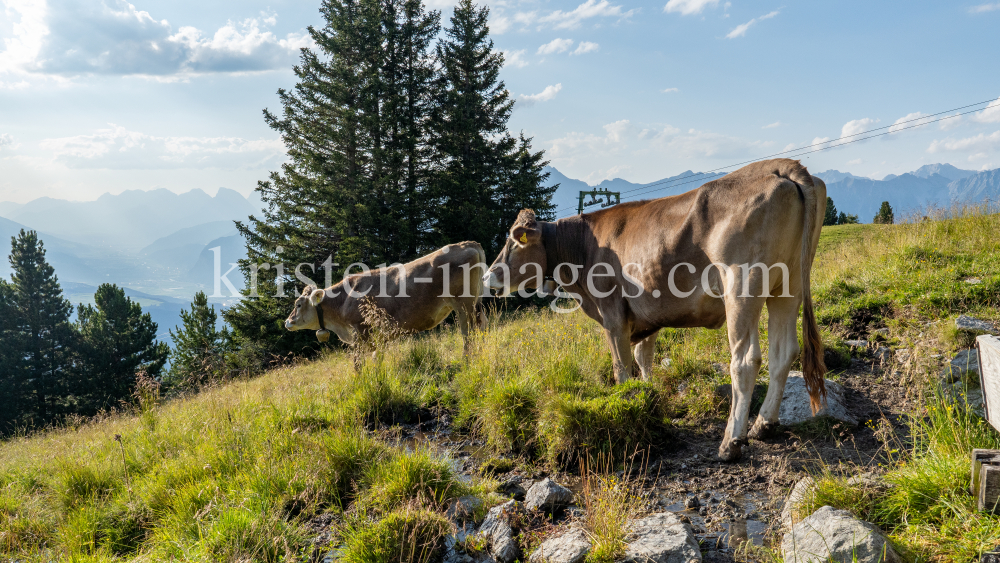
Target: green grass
[(235, 473)]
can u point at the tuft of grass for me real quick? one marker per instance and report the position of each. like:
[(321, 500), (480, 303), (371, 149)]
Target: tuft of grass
[(412, 479), (403, 536), (610, 503)]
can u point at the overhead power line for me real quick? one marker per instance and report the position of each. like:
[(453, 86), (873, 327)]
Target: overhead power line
[(807, 149)]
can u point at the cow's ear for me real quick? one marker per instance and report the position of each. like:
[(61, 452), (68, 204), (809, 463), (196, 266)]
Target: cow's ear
[(316, 297), (523, 235)]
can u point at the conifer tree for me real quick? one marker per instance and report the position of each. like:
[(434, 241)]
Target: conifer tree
[(40, 335), (885, 215), (354, 188), (471, 138), (831, 212), (523, 189), (12, 384), (118, 341), (199, 346)]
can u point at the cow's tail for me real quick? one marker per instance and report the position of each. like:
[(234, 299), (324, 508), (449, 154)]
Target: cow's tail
[(813, 368)]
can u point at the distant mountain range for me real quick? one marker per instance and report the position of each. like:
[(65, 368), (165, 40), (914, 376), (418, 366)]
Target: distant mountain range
[(931, 185), (158, 245)]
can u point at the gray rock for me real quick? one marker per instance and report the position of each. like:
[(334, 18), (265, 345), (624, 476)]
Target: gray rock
[(692, 502), (571, 547), (795, 407), (547, 495), (972, 324), (836, 535), (967, 397), (857, 343), (870, 481), (499, 534), (965, 361), (661, 538), (463, 509), (903, 355), (451, 555), (514, 487), (883, 355), (665, 363)]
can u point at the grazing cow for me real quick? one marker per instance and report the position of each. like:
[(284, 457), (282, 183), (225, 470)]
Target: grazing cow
[(710, 256), (416, 296)]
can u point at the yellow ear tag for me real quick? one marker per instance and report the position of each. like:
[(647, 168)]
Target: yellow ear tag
[(524, 237)]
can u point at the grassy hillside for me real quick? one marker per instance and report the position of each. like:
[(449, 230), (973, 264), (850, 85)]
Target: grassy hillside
[(237, 473)]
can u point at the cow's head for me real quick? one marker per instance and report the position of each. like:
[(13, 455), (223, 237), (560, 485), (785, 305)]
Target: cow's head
[(303, 315), (522, 259)]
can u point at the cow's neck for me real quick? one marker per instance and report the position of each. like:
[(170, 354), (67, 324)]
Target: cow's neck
[(332, 316), (563, 242)]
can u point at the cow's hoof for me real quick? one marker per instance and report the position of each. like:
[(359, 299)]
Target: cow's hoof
[(731, 451), (762, 429)]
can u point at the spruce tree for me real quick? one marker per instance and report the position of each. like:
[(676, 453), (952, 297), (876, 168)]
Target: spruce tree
[(13, 398), (199, 346), (471, 138), (40, 333), (354, 188), (118, 341), (885, 215), (523, 189), (831, 212)]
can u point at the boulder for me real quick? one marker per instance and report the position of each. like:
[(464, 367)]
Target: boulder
[(571, 547), (801, 492), (463, 509), (972, 324), (795, 407), (514, 487), (547, 495), (965, 361), (661, 538), (498, 533), (836, 535)]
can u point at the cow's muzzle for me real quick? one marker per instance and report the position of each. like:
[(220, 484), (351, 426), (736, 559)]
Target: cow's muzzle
[(491, 281)]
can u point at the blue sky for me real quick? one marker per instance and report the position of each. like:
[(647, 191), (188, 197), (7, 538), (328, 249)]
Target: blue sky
[(103, 95)]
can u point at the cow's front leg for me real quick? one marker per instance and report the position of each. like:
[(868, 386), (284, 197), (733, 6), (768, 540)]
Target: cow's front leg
[(621, 353), (742, 314), (644, 351)]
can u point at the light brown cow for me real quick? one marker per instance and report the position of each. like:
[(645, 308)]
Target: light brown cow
[(640, 266), (417, 295)]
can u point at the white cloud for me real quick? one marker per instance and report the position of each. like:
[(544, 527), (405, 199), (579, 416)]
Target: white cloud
[(818, 141), (598, 176), (585, 47), (909, 122), (772, 125), (527, 100), (514, 59), (856, 126), (68, 38), (670, 90), (119, 148), (950, 121), (855, 162), (991, 114), (688, 7), (6, 142), (500, 25), (555, 46), (980, 144), (984, 8), (741, 30), (589, 9)]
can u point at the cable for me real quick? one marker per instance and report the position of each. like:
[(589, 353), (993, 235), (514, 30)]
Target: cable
[(893, 128)]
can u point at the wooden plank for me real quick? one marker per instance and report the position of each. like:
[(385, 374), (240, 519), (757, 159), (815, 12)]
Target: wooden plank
[(989, 376), (980, 457), (989, 488)]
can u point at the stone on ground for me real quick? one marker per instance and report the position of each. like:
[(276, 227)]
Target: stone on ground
[(661, 538), (836, 535), (965, 361), (547, 495), (800, 494), (571, 547), (498, 533), (463, 509), (972, 324), (795, 407)]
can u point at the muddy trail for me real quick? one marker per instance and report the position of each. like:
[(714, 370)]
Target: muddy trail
[(725, 503)]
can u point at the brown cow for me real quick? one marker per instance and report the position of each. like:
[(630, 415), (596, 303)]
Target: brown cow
[(644, 265), (417, 295)]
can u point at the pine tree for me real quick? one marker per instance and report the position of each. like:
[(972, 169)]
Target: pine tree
[(847, 219), (41, 336), (885, 215), (199, 346), (523, 189), (12, 385), (831, 212), (471, 136), (354, 189), (118, 341)]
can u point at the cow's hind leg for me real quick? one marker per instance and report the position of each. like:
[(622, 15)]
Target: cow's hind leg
[(466, 316), (644, 351), (743, 316), (783, 348)]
